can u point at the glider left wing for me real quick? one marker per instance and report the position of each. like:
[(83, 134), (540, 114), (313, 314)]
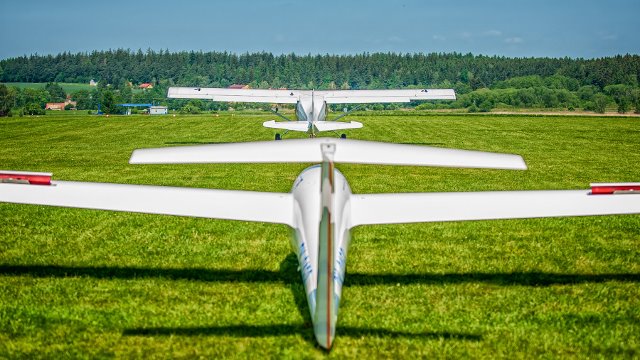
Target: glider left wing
[(206, 203), (432, 207)]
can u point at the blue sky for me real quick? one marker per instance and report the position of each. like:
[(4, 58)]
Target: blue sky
[(517, 28)]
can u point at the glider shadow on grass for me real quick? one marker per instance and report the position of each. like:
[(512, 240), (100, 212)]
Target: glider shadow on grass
[(285, 330), (288, 275)]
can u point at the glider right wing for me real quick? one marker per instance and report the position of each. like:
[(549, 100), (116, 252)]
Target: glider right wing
[(206, 203)]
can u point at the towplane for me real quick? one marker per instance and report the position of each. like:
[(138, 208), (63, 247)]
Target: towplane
[(320, 208), (311, 105)]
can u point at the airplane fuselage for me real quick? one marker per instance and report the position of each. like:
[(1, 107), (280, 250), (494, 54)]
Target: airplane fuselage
[(311, 108)]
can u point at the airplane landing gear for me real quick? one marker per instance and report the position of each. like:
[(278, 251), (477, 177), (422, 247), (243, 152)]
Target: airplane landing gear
[(278, 137), (343, 136)]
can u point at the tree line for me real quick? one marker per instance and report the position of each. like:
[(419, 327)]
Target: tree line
[(482, 82)]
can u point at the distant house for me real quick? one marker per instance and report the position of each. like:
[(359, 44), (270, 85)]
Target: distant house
[(93, 83), (60, 106), (145, 86), (54, 106), (158, 110), (239, 86)]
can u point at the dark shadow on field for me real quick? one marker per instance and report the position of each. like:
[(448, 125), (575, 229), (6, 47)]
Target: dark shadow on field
[(291, 276), (288, 274), (537, 279), (283, 330)]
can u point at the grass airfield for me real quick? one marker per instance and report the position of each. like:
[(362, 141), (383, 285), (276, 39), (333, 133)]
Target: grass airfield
[(84, 283)]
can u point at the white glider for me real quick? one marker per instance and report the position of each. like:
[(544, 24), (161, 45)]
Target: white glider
[(321, 208), (311, 105)]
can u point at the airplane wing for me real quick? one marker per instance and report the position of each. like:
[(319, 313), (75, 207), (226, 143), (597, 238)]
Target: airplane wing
[(432, 207), (384, 96), (206, 203), (308, 150), (236, 95), (292, 96)]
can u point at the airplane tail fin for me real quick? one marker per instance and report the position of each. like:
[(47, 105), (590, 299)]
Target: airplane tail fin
[(287, 125), (336, 125), (308, 150)]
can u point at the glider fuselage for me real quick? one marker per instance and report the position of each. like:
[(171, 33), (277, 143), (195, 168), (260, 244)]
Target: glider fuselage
[(321, 240)]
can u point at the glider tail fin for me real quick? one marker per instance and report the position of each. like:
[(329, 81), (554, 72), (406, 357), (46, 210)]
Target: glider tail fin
[(309, 150), (326, 315)]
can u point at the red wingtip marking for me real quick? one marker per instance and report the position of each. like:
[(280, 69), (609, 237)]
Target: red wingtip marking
[(25, 178), (613, 188)]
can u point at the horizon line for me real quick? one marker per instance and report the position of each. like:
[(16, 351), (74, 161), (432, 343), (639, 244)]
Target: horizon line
[(308, 54)]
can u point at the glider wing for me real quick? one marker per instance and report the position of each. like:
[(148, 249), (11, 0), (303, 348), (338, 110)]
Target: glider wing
[(206, 203), (432, 207)]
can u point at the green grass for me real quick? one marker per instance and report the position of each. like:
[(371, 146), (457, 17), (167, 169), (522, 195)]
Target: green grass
[(68, 87), (82, 283)]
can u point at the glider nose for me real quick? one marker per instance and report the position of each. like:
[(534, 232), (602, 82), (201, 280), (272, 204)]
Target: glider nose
[(325, 335)]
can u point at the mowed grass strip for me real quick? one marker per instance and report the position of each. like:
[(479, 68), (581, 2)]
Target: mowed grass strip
[(68, 87), (85, 283)]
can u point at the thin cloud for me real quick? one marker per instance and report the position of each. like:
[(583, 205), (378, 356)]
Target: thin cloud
[(608, 37), (439, 38), (395, 39), (514, 40), (492, 33), (466, 35)]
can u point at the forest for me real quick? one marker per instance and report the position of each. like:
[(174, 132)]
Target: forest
[(482, 82)]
